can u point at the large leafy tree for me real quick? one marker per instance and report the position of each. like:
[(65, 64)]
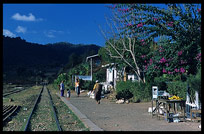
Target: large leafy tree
[(135, 29)]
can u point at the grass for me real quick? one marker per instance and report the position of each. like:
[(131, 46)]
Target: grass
[(42, 119), (68, 120), (26, 99)]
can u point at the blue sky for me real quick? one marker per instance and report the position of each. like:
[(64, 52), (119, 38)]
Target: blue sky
[(51, 23)]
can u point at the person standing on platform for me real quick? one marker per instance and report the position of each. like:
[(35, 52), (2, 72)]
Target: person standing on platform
[(77, 85), (62, 88)]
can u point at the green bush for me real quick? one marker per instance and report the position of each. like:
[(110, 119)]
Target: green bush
[(194, 82), (160, 82), (137, 91), (87, 85), (141, 91), (147, 96), (177, 88), (123, 90)]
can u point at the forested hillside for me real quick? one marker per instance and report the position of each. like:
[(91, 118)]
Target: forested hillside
[(22, 59)]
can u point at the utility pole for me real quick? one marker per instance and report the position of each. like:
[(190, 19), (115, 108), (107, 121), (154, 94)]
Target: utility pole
[(36, 81), (91, 63), (91, 68)]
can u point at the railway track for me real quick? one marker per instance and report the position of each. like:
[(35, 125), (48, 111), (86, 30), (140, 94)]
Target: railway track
[(8, 111), (12, 92), (42, 103)]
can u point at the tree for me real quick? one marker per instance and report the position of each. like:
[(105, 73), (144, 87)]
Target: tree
[(180, 52), (135, 28), (123, 45)]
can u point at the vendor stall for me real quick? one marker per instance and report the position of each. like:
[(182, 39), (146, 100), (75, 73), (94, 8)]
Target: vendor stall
[(171, 108)]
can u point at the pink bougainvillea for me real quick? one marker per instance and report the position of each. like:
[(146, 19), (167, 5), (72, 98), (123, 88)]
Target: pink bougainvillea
[(143, 43), (119, 10), (140, 25), (142, 40), (162, 60), (155, 19), (182, 70), (180, 53), (170, 24), (156, 67), (198, 57), (176, 70), (146, 67), (150, 61), (170, 72), (164, 71), (129, 24), (143, 56)]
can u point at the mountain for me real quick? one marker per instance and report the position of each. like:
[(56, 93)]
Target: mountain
[(24, 59)]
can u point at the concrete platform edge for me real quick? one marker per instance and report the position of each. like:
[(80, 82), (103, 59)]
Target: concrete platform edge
[(88, 123)]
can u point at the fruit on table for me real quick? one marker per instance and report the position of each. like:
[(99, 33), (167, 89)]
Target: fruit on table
[(175, 98)]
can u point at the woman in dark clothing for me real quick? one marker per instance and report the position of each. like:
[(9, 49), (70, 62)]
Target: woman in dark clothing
[(97, 90)]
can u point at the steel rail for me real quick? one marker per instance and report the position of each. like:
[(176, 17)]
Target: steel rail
[(6, 108), (12, 92), (26, 127), (13, 110), (57, 121)]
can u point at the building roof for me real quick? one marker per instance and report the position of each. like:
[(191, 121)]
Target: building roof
[(107, 65)]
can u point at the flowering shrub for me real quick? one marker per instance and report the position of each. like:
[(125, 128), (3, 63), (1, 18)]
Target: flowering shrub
[(162, 60), (170, 24), (182, 70), (179, 53), (140, 25)]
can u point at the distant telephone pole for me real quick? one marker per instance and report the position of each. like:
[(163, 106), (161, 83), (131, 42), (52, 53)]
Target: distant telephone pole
[(91, 68), (91, 62)]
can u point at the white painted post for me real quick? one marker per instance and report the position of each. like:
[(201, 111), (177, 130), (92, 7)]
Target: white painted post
[(197, 99)]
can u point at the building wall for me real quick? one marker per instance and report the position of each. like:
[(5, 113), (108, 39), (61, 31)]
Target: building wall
[(111, 74)]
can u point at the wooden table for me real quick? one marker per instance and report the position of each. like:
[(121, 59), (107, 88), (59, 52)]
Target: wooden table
[(167, 108)]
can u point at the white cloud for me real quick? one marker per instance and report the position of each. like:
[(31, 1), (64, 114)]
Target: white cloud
[(8, 33), (21, 29), (52, 33), (49, 34), (30, 17)]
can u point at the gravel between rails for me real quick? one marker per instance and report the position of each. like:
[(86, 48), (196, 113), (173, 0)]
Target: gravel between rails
[(41, 121), (125, 117)]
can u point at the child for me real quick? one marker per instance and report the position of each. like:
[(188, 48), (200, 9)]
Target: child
[(68, 93)]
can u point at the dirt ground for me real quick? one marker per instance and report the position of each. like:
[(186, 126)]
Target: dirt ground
[(125, 117)]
